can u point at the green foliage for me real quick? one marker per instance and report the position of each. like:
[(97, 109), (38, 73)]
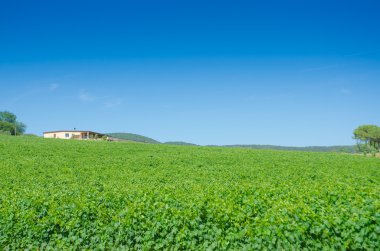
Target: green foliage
[(84, 195), (4, 132), (133, 137), (8, 117), (368, 138), (7, 127), (9, 123)]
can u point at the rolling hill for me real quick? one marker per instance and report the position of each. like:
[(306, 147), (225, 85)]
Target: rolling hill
[(133, 137), (143, 139), (179, 143)]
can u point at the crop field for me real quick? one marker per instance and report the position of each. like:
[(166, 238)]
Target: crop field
[(66, 194)]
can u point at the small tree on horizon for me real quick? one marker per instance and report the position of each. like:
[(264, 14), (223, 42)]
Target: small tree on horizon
[(368, 138)]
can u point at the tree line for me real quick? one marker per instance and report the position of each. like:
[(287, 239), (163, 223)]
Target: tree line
[(368, 139), (9, 124)]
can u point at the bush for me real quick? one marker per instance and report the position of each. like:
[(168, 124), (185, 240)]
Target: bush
[(5, 132)]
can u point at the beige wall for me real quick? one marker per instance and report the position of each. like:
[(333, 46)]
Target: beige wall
[(62, 135)]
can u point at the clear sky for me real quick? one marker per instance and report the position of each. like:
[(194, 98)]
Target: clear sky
[(292, 73)]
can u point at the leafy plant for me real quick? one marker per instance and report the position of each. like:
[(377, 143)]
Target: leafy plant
[(107, 195)]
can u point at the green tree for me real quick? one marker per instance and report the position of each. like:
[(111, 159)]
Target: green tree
[(375, 137), (8, 117), (368, 138), (9, 124)]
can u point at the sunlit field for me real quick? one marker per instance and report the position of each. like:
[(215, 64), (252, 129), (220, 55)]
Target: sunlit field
[(107, 195)]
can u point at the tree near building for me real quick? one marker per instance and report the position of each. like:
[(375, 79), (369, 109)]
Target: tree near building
[(368, 138), (10, 125)]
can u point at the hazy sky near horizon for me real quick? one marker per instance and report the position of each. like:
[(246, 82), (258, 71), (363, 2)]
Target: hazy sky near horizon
[(292, 73)]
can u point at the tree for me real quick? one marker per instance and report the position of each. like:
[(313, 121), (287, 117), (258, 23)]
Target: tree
[(6, 127), (375, 137), (8, 117), (368, 138), (9, 124)]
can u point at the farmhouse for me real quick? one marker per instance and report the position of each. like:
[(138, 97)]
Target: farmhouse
[(66, 134)]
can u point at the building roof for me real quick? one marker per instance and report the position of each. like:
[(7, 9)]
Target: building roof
[(82, 131)]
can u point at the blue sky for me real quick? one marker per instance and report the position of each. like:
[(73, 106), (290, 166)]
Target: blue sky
[(290, 73)]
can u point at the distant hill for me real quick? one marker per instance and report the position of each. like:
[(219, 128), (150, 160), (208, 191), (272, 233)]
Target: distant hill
[(344, 149), (133, 137), (179, 143), (143, 139)]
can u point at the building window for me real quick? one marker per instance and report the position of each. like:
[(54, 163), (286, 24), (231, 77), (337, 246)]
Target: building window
[(67, 135), (55, 135)]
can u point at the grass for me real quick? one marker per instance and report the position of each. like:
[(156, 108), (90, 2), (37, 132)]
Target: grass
[(62, 194)]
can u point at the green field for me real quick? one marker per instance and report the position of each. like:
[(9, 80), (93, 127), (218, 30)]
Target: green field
[(66, 194)]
